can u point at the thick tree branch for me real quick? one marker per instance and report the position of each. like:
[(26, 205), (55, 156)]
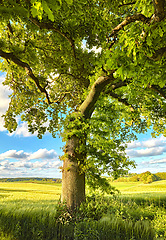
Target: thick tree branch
[(88, 106), (10, 28), (17, 61), (161, 91), (127, 4), (118, 84), (158, 54), (120, 99), (128, 20), (159, 12)]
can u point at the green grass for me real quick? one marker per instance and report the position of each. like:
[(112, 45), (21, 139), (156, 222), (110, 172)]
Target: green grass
[(137, 187), (30, 211), (29, 191)]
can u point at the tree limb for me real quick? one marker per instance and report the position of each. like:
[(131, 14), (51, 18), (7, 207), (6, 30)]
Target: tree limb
[(10, 28), (126, 4), (118, 84), (128, 20), (158, 90), (17, 61), (159, 12), (115, 86), (88, 106), (122, 100), (158, 54)]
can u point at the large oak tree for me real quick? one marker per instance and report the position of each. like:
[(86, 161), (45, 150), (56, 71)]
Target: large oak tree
[(91, 70)]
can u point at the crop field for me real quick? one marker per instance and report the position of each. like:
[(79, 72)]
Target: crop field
[(29, 191), (30, 211), (137, 187)]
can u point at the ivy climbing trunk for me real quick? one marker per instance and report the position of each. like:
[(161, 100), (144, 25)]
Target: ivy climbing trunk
[(73, 178)]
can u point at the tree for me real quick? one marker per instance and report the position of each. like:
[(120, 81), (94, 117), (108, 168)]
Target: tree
[(98, 101)]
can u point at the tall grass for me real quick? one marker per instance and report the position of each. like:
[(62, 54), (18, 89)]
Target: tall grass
[(32, 211), (38, 225)]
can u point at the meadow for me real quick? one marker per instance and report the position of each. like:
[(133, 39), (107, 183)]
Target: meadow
[(33, 211)]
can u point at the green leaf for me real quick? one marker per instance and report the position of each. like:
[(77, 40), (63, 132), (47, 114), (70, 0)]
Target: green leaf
[(149, 42), (160, 32), (34, 12), (48, 11), (69, 1), (37, 10)]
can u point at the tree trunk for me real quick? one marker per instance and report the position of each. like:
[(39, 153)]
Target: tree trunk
[(73, 179)]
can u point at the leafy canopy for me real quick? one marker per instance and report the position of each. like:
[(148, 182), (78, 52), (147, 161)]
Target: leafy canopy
[(49, 56)]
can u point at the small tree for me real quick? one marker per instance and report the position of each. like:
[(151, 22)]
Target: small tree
[(97, 101)]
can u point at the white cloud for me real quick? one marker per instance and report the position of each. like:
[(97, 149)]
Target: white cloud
[(153, 168), (24, 164), (151, 151), (14, 155), (155, 161), (44, 154), (146, 152), (29, 165), (151, 147), (22, 129), (133, 144), (40, 154), (154, 142)]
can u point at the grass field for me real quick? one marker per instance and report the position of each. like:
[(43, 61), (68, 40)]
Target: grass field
[(30, 191), (42, 191), (137, 187), (36, 205)]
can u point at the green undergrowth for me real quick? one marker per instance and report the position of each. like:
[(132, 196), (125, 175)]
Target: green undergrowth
[(130, 218)]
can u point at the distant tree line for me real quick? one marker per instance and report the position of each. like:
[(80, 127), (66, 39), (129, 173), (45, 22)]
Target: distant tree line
[(51, 180), (146, 177)]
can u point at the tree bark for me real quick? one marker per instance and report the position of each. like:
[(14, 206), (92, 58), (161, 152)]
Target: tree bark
[(73, 178)]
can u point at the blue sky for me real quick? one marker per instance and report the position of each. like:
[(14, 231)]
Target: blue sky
[(24, 155)]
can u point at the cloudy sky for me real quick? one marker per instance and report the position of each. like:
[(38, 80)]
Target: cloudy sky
[(24, 155)]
